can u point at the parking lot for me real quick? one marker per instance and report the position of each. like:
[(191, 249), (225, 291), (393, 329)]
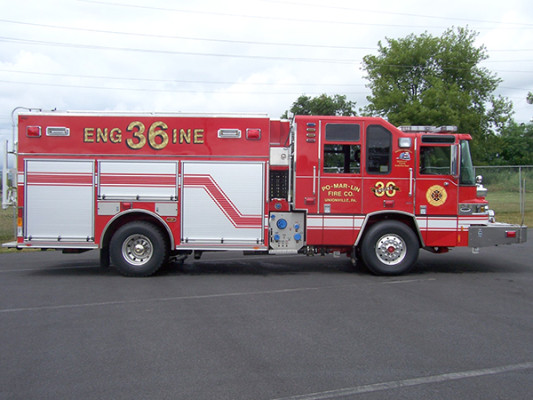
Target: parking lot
[(268, 327)]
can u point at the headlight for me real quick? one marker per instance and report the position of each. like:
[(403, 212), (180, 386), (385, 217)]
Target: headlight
[(482, 208), (473, 208)]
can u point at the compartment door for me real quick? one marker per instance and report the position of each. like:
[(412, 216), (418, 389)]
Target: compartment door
[(223, 204), (59, 201)]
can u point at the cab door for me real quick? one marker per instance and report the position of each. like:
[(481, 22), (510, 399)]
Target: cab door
[(437, 188), (340, 181), (389, 161)]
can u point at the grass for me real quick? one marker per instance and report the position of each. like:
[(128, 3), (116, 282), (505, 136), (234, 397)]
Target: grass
[(504, 197), (7, 227), (506, 205), (505, 179)]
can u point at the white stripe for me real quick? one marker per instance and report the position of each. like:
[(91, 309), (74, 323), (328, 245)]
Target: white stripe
[(314, 222), (473, 218), (434, 223), (466, 222), (376, 387), (335, 222), (338, 223)]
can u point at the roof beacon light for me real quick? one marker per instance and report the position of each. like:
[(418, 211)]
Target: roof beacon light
[(427, 128)]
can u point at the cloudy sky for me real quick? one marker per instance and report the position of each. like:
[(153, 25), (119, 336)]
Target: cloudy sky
[(232, 55)]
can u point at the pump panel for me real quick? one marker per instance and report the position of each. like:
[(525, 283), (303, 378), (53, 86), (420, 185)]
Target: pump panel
[(287, 231)]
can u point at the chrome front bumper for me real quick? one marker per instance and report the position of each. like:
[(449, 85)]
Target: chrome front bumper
[(496, 233)]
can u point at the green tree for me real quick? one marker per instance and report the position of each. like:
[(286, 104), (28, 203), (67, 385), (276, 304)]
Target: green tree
[(322, 105), (516, 144), (427, 80)]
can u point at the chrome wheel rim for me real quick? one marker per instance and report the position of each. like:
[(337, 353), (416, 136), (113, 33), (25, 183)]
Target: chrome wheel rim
[(391, 249), (137, 249)]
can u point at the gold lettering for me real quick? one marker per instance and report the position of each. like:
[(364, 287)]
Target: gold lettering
[(157, 130), (138, 130), (157, 136), (88, 135), (101, 135), (185, 136), (115, 136), (198, 136)]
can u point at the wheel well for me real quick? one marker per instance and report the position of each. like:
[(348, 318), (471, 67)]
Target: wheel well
[(126, 218), (404, 218)]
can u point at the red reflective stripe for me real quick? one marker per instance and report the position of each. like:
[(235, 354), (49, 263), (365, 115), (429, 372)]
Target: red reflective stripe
[(59, 179), (223, 202), (137, 180)]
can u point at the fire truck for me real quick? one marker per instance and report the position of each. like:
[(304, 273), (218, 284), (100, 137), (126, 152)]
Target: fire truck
[(144, 187)]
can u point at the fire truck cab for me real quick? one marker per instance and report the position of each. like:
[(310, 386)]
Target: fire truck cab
[(144, 187)]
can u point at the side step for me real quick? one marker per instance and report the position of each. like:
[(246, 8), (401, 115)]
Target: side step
[(283, 251)]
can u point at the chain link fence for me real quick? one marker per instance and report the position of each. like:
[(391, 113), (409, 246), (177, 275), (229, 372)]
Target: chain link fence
[(510, 192)]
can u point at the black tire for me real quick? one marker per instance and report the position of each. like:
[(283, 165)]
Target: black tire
[(390, 248), (104, 257), (138, 249)]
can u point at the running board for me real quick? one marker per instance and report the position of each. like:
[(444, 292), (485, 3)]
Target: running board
[(283, 251)]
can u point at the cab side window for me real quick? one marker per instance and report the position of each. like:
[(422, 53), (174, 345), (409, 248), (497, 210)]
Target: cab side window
[(378, 150), (342, 159), (341, 155), (435, 160)]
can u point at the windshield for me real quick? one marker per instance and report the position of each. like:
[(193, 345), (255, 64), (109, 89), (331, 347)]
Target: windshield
[(467, 168)]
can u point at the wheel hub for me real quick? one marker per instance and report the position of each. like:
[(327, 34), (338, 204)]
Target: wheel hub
[(391, 249), (137, 249)]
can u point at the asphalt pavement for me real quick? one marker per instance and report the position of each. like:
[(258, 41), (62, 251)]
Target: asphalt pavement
[(460, 326)]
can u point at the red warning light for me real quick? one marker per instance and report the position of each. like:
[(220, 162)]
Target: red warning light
[(253, 134), (33, 131)]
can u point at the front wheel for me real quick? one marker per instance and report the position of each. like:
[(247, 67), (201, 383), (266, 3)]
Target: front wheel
[(138, 249), (390, 248)]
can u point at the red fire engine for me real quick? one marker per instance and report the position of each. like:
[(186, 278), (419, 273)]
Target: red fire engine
[(145, 187)]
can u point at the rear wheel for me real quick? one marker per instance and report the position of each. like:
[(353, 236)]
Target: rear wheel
[(138, 249), (390, 248)]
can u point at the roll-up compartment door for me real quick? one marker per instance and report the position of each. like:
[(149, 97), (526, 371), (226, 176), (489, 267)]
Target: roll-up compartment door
[(59, 200)]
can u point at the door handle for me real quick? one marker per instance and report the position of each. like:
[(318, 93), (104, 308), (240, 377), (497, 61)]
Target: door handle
[(410, 182), (314, 180)]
